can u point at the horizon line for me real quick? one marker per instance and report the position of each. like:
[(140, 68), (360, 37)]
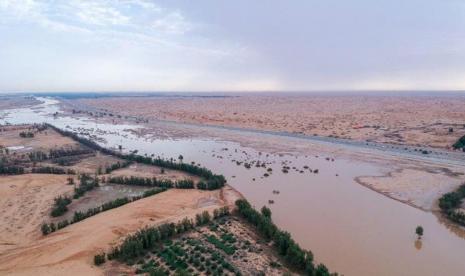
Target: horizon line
[(240, 91)]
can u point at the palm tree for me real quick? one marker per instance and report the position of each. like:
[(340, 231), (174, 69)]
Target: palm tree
[(180, 157)]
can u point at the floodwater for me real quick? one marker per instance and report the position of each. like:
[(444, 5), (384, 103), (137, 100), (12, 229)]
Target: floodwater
[(101, 195), (352, 229)]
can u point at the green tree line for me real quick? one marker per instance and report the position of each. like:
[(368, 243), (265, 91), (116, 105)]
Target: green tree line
[(292, 253), (10, 170), (52, 170), (138, 244), (449, 202), (212, 181), (151, 182), (79, 216), (116, 166)]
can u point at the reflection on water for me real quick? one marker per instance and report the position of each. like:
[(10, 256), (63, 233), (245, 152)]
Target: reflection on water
[(418, 244), (352, 229), (101, 195), (117, 191)]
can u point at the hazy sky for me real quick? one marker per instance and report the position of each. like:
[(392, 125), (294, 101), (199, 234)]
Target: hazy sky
[(235, 45)]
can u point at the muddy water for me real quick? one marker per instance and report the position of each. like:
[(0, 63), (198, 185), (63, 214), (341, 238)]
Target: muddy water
[(99, 196), (353, 230)]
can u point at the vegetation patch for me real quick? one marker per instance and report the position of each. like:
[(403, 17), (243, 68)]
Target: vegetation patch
[(26, 134), (210, 180), (87, 183), (460, 144), (52, 170), (147, 239), (151, 182), (79, 216), (59, 207), (450, 202), (211, 247)]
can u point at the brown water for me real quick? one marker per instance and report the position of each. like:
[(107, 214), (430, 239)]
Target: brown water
[(353, 230), (99, 196)]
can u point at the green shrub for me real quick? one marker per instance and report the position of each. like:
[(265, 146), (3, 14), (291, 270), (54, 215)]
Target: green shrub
[(99, 259)]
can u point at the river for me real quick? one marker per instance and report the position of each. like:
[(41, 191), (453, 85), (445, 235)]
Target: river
[(352, 229)]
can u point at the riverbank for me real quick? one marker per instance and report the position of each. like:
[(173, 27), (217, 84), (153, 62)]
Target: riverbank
[(408, 175)]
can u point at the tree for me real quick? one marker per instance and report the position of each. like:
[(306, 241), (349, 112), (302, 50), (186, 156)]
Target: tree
[(266, 212), (99, 259), (321, 270), (45, 229), (181, 272), (419, 231), (180, 157)]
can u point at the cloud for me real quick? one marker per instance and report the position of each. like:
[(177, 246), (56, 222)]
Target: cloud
[(99, 13), (232, 45), (104, 45), (138, 16), (20, 8), (173, 23)]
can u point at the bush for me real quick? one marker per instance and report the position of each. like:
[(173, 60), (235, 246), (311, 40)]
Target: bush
[(45, 229), (453, 199), (99, 259), (228, 249), (59, 207), (24, 134), (460, 144), (450, 201), (87, 183)]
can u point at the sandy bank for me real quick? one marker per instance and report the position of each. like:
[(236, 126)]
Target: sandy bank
[(71, 250)]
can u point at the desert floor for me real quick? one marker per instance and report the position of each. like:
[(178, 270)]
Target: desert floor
[(71, 250), (414, 120), (10, 102)]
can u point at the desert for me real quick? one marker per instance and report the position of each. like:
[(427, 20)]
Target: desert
[(395, 119)]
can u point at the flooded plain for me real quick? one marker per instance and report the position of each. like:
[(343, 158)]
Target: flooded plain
[(100, 195), (352, 229)]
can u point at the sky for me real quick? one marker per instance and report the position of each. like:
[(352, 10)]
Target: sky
[(259, 45)]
